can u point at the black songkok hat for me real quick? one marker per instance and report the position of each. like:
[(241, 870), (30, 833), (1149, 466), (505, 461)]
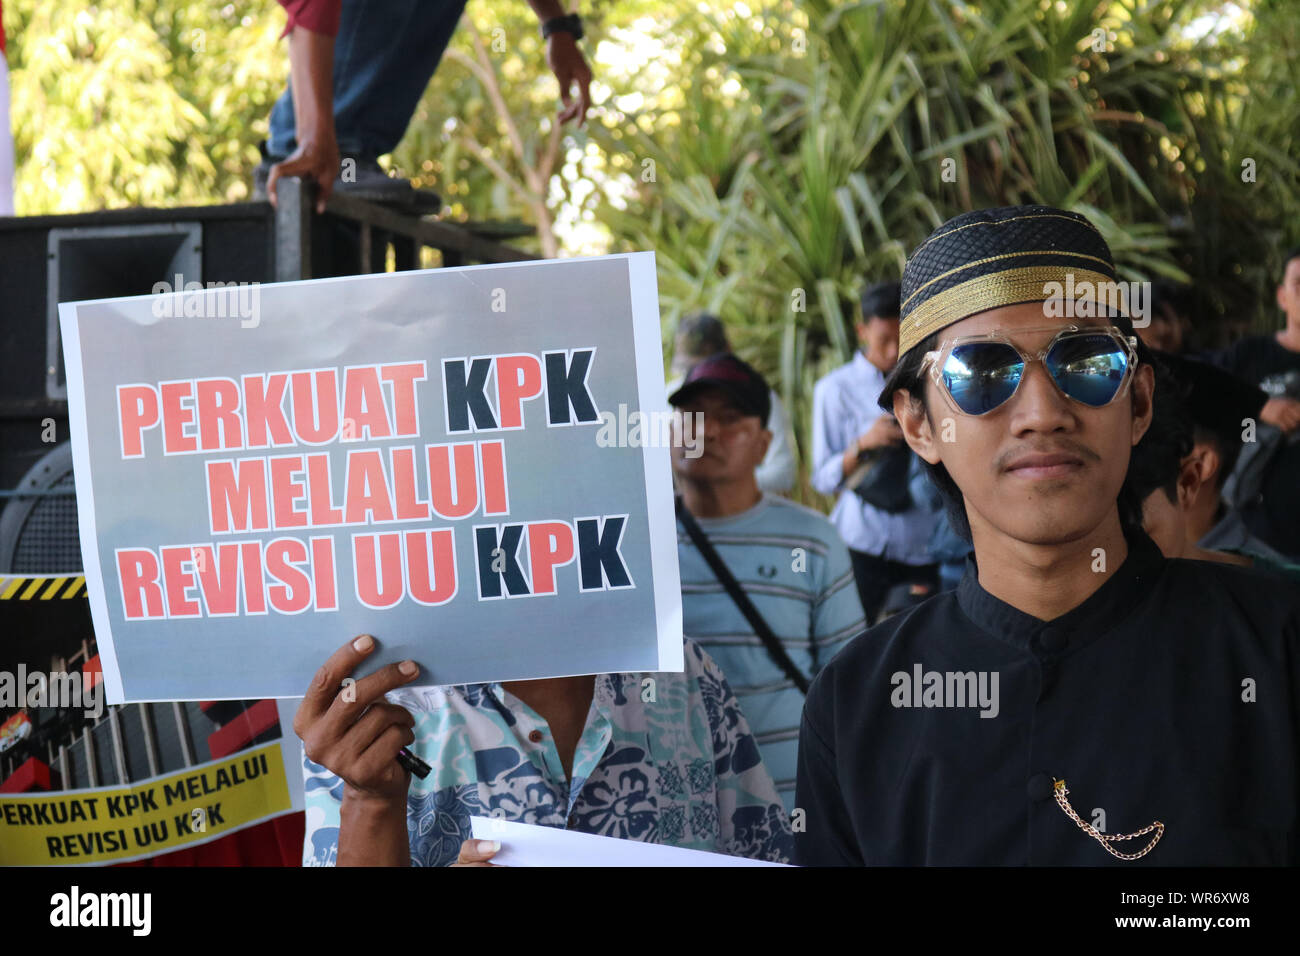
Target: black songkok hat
[(989, 258)]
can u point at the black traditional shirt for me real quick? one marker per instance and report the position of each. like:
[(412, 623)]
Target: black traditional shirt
[(1172, 693)]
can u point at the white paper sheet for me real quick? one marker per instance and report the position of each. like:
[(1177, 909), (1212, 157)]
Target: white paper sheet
[(523, 844)]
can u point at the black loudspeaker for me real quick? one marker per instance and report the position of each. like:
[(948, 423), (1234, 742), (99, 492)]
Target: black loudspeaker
[(45, 260), (38, 530), (103, 262), (39, 536)]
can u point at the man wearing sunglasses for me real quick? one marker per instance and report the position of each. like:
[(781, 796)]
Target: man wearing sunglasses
[(1079, 699)]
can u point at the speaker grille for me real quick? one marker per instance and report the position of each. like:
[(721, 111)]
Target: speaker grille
[(49, 540), (38, 528)]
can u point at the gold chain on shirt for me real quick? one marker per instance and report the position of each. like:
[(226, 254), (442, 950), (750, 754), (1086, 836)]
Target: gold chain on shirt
[(1107, 839)]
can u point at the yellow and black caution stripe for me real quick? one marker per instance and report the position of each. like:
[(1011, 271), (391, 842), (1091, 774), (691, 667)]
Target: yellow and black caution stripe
[(42, 587)]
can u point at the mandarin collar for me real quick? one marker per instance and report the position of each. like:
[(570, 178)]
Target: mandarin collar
[(1099, 613)]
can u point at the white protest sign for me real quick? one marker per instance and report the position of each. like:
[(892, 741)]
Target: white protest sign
[(421, 456)]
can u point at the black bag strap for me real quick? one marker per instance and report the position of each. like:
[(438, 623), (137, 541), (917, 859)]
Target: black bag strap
[(770, 641)]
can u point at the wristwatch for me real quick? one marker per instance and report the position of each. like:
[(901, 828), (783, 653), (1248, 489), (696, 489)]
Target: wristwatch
[(572, 23)]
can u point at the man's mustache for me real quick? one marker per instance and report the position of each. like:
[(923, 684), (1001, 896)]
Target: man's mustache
[(1011, 455)]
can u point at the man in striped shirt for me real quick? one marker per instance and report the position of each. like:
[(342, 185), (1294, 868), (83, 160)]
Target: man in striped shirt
[(788, 559)]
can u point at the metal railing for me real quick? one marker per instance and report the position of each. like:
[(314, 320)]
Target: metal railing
[(298, 239)]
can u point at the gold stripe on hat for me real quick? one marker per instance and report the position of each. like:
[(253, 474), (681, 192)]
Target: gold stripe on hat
[(988, 292), (1019, 253)]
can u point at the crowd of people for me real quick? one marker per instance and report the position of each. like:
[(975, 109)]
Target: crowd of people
[(1061, 546), (1088, 569)]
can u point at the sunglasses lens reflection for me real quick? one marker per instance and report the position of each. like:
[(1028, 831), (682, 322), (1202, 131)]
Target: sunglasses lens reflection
[(980, 376), (1088, 368)]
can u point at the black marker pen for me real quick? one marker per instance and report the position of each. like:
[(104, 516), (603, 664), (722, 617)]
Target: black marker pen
[(413, 763)]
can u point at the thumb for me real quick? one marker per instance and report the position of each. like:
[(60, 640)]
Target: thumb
[(475, 851), (324, 188), (271, 180)]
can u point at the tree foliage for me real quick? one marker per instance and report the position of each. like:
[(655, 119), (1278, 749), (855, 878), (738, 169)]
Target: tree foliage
[(775, 157), (139, 102), (808, 146)]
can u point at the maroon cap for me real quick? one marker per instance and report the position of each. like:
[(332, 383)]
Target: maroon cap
[(746, 388)]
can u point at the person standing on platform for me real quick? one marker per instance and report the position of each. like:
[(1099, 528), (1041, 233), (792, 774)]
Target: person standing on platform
[(357, 71)]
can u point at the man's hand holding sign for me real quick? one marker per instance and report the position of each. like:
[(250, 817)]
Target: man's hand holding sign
[(357, 734)]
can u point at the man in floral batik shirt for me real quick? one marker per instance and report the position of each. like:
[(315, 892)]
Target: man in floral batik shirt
[(663, 758)]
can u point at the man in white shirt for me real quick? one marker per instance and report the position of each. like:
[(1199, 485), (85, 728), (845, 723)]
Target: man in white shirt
[(702, 335), (887, 548)]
